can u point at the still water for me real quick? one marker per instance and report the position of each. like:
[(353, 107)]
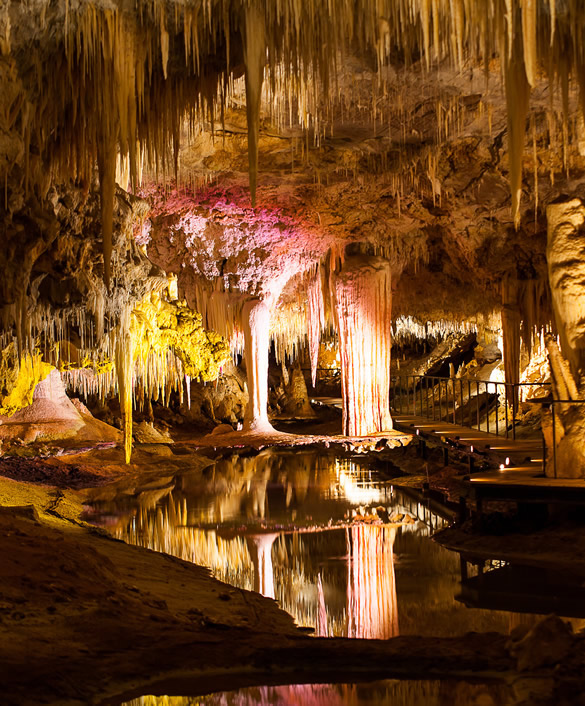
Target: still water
[(342, 551), (380, 693)]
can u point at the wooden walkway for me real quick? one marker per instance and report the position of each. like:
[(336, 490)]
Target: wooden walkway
[(520, 480), (517, 468), (520, 453)]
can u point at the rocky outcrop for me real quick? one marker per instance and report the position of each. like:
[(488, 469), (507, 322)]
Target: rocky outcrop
[(53, 416), (222, 401)]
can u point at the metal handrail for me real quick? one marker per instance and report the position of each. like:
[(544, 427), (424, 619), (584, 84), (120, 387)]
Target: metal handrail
[(428, 396), (551, 402)]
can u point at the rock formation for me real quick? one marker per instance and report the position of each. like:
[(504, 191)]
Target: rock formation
[(250, 151)]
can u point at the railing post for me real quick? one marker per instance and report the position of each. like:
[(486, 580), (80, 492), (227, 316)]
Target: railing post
[(422, 407), (477, 404), (497, 422), (440, 400), (469, 403), (487, 401), (454, 400), (433, 389), (462, 406)]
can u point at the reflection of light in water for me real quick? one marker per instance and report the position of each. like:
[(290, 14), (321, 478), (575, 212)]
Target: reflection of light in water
[(354, 484), (371, 589), (306, 571), (381, 693)]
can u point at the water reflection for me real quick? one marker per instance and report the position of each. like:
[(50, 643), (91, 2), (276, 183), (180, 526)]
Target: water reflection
[(381, 693), (371, 589), (311, 530)]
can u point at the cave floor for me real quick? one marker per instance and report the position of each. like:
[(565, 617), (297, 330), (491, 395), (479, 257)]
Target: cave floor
[(86, 618)]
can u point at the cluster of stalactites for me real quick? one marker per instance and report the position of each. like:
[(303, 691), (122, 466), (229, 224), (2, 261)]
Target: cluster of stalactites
[(127, 79), (406, 329), (155, 350), (526, 316)]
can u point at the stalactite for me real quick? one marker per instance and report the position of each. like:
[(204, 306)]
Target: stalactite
[(517, 99), (529, 39), (363, 312), (107, 171), (255, 58)]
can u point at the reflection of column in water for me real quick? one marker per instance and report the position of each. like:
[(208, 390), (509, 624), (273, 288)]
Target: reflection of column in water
[(260, 548), (372, 610), (322, 629)]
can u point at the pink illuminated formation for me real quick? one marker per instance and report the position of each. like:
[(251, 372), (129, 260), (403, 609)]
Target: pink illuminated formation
[(363, 309), (217, 244), (371, 590), (232, 264)]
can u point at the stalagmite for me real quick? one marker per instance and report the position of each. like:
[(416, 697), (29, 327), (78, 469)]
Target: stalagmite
[(254, 58), (256, 325), (363, 312)]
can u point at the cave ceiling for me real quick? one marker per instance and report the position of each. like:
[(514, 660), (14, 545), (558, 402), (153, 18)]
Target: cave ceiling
[(434, 134)]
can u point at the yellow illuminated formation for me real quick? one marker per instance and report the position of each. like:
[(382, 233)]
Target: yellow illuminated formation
[(18, 382)]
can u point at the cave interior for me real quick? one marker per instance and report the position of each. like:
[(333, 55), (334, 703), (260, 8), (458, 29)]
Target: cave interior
[(237, 225)]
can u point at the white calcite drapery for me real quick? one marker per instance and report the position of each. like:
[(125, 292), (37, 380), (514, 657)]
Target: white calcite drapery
[(256, 325), (363, 312)]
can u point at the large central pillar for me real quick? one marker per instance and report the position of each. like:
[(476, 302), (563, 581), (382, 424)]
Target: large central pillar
[(256, 325), (363, 312)]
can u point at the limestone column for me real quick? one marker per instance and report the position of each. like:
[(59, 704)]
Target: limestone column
[(565, 253), (566, 271), (363, 312), (256, 324)]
